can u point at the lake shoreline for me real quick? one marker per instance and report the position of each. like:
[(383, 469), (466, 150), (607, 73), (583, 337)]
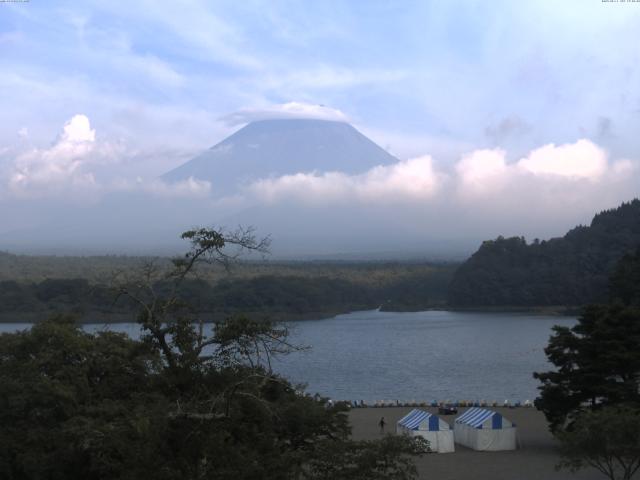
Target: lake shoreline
[(546, 310), (93, 318), (90, 318), (374, 355)]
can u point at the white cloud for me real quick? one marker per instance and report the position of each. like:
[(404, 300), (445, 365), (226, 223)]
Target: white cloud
[(63, 164), (482, 169), (76, 162), (549, 190), (624, 167), (191, 187), (73, 164), (77, 131), (482, 195), (582, 159), (285, 110), (413, 179), (487, 172)]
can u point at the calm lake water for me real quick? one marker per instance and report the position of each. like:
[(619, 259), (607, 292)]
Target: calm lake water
[(425, 356)]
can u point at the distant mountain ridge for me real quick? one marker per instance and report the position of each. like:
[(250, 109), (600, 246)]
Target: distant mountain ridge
[(572, 270), (269, 148)]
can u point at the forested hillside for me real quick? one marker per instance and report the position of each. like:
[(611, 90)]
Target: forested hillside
[(572, 270), (83, 286)]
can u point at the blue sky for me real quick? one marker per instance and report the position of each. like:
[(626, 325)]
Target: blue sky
[(161, 81), (418, 76)]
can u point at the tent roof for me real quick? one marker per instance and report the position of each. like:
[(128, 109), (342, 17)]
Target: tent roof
[(475, 417), (415, 417)]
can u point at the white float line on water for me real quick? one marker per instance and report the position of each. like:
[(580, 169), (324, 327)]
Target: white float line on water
[(414, 403)]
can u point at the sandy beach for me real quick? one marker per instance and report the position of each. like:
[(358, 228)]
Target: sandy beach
[(534, 460)]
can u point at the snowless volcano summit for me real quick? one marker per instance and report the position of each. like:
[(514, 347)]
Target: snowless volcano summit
[(271, 148)]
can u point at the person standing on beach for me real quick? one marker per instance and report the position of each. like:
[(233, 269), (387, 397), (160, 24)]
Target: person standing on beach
[(381, 424)]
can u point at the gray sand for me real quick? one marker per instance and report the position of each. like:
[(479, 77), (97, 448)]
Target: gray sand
[(535, 459)]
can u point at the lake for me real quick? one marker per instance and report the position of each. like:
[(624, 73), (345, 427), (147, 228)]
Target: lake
[(423, 356)]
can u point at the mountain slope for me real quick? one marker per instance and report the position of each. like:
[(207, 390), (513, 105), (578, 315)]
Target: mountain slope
[(572, 270), (282, 146)]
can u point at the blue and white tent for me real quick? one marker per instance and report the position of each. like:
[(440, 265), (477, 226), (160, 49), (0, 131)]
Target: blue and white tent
[(486, 430), (428, 426)]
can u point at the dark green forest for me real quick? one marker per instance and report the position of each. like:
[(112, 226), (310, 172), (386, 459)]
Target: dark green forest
[(176, 404), (590, 396), (571, 271), (282, 291), (566, 272)]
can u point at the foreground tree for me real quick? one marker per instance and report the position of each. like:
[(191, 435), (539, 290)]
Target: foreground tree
[(179, 403), (592, 399), (366, 460), (607, 440), (625, 281), (598, 364)]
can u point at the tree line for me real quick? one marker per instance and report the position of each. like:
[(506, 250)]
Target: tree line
[(175, 404), (572, 271), (265, 294), (592, 397)]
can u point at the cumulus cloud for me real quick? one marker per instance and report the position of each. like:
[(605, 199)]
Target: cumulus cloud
[(72, 163), (579, 160), (565, 172), (285, 110), (482, 169), (559, 173), (62, 164), (481, 195), (412, 179), (624, 167), (487, 172), (549, 190)]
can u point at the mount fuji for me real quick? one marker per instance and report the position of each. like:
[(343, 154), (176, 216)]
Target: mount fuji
[(271, 148)]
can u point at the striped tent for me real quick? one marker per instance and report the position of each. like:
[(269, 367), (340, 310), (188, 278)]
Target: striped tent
[(428, 426), (485, 430)]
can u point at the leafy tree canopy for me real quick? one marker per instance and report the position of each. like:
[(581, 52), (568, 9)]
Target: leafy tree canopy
[(607, 440), (625, 281), (573, 270), (176, 404), (598, 363), (592, 399)]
